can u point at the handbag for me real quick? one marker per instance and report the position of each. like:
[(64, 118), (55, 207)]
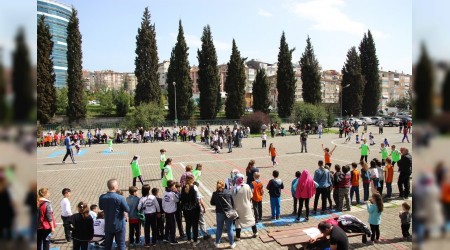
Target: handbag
[(140, 213), (231, 213)]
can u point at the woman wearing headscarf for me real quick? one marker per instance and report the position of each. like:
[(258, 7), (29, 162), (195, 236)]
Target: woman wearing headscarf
[(306, 189), (242, 195)]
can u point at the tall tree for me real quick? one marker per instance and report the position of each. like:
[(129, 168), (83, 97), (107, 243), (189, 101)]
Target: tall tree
[(423, 87), (261, 92), (178, 72), (208, 76), (126, 84), (369, 68), (77, 104), (446, 93), (353, 78), (310, 75), (235, 85), (285, 80), (46, 92), (22, 81), (4, 115), (146, 62)]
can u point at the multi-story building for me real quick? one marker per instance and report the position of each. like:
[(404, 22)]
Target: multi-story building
[(163, 67), (108, 79), (57, 16), (394, 85)]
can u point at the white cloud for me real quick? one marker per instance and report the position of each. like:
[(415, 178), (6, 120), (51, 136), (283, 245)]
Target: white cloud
[(328, 15), (264, 13)]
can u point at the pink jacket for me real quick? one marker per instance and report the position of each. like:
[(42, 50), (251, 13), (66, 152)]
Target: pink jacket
[(305, 186)]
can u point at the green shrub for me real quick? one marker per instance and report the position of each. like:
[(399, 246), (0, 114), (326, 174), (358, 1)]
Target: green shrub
[(307, 113), (146, 115)]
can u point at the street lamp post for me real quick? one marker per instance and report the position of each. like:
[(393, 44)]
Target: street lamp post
[(175, 88), (342, 90)]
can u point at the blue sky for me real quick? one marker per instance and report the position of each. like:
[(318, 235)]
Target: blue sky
[(109, 29)]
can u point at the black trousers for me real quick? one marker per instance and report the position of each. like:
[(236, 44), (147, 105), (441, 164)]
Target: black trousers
[(363, 157), (296, 201), (80, 245), (405, 229), (375, 232), (264, 143), (179, 220), (66, 226), (321, 192), (380, 188), (69, 151), (170, 226), (42, 242), (150, 222), (306, 201), (160, 227), (140, 179), (238, 231), (257, 209), (403, 184), (134, 232), (192, 217)]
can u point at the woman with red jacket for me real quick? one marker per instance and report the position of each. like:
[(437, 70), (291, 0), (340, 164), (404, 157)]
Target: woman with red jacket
[(306, 189), (46, 220)]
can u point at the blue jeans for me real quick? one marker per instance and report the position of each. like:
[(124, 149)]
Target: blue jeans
[(275, 206), (389, 189), (366, 191), (230, 147), (120, 239), (220, 220), (356, 191)]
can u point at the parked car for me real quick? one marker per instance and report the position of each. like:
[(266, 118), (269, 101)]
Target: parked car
[(376, 119), (353, 120), (402, 115), (337, 122), (367, 120), (391, 121)]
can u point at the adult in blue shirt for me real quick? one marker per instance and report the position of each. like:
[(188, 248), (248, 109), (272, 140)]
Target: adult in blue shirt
[(69, 151), (89, 137), (114, 206), (323, 179)]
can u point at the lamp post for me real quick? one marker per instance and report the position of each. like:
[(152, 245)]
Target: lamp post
[(175, 88), (342, 90)]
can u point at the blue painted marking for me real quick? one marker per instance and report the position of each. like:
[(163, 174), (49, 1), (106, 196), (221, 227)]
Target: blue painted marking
[(82, 152), (54, 248), (106, 152), (56, 154), (212, 230)]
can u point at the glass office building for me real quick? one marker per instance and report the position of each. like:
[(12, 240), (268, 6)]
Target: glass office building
[(57, 17)]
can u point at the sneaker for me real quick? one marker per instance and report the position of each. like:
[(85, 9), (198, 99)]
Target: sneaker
[(189, 241), (278, 217), (217, 245), (153, 244), (165, 240), (297, 219), (195, 243), (147, 246), (74, 162), (255, 235), (306, 219), (370, 242), (174, 242), (233, 245)]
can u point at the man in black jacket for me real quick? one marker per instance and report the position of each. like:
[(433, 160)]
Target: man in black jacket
[(405, 168)]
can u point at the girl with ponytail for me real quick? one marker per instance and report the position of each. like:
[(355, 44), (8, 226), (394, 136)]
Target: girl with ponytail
[(46, 220), (82, 227)]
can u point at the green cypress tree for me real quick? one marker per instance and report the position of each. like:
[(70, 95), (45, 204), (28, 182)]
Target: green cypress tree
[(77, 104), (352, 76), (178, 72), (146, 62), (310, 75), (5, 112), (235, 85), (423, 87), (46, 92), (446, 93), (208, 77), (261, 92), (369, 68), (22, 81), (285, 80)]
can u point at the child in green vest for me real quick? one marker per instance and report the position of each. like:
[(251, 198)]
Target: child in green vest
[(197, 172), (168, 175), (110, 143), (136, 170), (384, 154), (395, 155)]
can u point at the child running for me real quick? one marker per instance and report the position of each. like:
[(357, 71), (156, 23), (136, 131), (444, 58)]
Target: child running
[(136, 170), (375, 208), (349, 136), (327, 155), (273, 154)]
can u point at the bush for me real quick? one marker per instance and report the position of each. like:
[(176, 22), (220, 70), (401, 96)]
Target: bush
[(62, 101), (122, 101), (255, 121), (274, 118), (146, 115), (307, 113)]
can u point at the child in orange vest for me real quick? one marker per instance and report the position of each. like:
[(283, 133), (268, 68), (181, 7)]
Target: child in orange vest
[(355, 183), (388, 176), (258, 191)]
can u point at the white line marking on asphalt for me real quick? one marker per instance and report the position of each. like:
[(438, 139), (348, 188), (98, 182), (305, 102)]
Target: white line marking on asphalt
[(208, 192)]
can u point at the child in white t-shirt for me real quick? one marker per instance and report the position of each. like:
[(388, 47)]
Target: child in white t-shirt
[(99, 229), (264, 140)]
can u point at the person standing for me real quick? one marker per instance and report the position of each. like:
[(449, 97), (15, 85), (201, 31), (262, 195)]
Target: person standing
[(264, 140), (152, 211), (168, 174), (380, 127), (405, 134), (46, 220), (323, 179), (364, 150), (82, 227), (320, 130), (328, 154), (89, 137), (303, 138), (134, 226), (162, 161), (242, 195), (306, 189), (69, 150), (405, 168), (114, 206), (66, 212), (274, 186), (191, 209), (250, 171), (223, 201), (169, 205), (136, 171)]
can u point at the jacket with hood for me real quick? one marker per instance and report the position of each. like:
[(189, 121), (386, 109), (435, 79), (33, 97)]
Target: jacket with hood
[(274, 186), (305, 186)]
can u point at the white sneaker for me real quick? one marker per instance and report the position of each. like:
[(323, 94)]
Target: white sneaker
[(233, 246), (195, 243), (217, 245)]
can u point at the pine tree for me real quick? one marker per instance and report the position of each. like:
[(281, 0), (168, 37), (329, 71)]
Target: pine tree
[(446, 93), (178, 72), (208, 77), (235, 85), (310, 75), (146, 62), (369, 68), (46, 92), (423, 87), (285, 80), (261, 92), (22, 82), (5, 112), (352, 76), (77, 104)]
